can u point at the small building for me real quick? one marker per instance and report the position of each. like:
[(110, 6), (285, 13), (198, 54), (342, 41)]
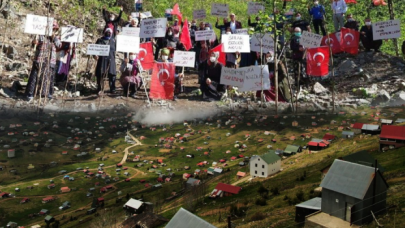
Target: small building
[(65, 205), (356, 127), (347, 134), (51, 186), (186, 219), (218, 171), (317, 144), (224, 190), (11, 153), (329, 137), (292, 149), (65, 189), (191, 182), (44, 212), (265, 165), (4, 195), (240, 174), (134, 206), (399, 120), (306, 208), (392, 136), (371, 129), (386, 122), (48, 199)]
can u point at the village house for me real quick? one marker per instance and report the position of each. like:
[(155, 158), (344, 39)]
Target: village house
[(4, 195), (186, 219), (265, 165), (371, 129), (48, 199), (134, 206), (144, 220), (191, 182), (392, 136), (11, 153), (317, 144), (292, 149), (222, 190), (386, 122), (65, 189), (240, 174), (347, 134)]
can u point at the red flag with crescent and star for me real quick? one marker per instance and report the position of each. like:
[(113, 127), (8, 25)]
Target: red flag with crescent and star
[(145, 55), (333, 41), (162, 82), (349, 40), (318, 61)]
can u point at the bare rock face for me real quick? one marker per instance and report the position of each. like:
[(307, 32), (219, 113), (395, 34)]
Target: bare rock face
[(319, 89)]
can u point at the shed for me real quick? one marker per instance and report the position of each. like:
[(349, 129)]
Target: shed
[(400, 120), (371, 129), (224, 190), (347, 134), (186, 219), (134, 206), (44, 212), (386, 122), (65, 189), (306, 208), (292, 149), (329, 137), (240, 174), (191, 182)]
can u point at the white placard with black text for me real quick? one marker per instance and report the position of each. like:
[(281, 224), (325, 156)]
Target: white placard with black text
[(98, 49), (236, 43), (37, 25), (390, 29), (184, 58), (204, 35), (72, 35), (130, 31), (199, 14), (267, 43), (310, 40), (255, 7), (219, 10), (127, 44), (155, 27)]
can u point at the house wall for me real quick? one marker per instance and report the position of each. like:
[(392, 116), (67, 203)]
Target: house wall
[(338, 209), (301, 212), (268, 169), (378, 206), (395, 143)]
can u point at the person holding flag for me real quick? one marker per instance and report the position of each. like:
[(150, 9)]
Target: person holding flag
[(166, 58)]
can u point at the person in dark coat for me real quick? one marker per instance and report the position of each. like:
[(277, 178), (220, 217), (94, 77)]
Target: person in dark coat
[(253, 24), (233, 23), (297, 52), (300, 23), (106, 64), (170, 41), (366, 37), (210, 86), (130, 79), (111, 21), (351, 23)]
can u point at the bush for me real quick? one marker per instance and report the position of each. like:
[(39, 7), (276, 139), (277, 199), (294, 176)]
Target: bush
[(300, 195), (258, 216), (261, 202), (275, 191)]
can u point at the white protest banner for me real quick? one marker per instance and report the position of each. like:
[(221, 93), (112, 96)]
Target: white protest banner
[(130, 31), (199, 14), (390, 29), (204, 35), (184, 58), (232, 76), (72, 35), (255, 7), (236, 43), (267, 43), (153, 27), (134, 14), (310, 40), (37, 25), (127, 44), (253, 78), (242, 31), (146, 14), (219, 10), (98, 49)]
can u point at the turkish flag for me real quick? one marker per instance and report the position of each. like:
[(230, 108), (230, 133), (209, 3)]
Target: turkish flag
[(162, 82), (185, 36), (176, 11), (333, 41), (349, 40), (318, 61), (145, 55), (222, 55)]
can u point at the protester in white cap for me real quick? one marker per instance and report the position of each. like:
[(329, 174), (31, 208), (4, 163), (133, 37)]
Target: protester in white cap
[(233, 23), (210, 86)]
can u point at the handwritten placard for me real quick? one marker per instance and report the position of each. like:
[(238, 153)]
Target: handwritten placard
[(199, 14), (72, 34), (204, 35), (255, 7), (242, 31), (255, 77), (130, 31), (127, 44), (390, 29), (98, 49), (219, 10), (236, 43), (310, 40), (184, 58), (232, 76), (153, 27), (37, 25), (267, 43)]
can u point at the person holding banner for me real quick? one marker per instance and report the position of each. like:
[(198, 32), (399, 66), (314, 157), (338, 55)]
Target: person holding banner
[(110, 20), (351, 23), (233, 23), (130, 79), (367, 39), (254, 24), (106, 64), (210, 86), (43, 67)]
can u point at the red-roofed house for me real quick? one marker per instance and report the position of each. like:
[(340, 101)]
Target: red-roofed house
[(3, 195), (65, 189), (48, 199), (224, 190), (328, 136), (356, 127), (392, 136)]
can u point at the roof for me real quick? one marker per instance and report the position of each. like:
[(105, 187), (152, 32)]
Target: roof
[(48, 198), (192, 181), (370, 127), (270, 158), (314, 203), (133, 203), (186, 219), (316, 140), (291, 148), (363, 158), (399, 120), (312, 144), (393, 132), (48, 218), (340, 179), (386, 121), (228, 188), (241, 174), (347, 133), (357, 125), (328, 136)]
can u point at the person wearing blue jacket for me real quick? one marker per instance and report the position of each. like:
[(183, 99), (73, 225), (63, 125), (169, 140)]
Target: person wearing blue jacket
[(318, 17)]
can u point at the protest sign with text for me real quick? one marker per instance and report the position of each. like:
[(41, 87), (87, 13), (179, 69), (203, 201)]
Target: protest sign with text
[(253, 78), (127, 44), (242, 31), (184, 58), (236, 43), (204, 35), (310, 40), (37, 25), (390, 29), (232, 76), (98, 49), (153, 27), (130, 31), (72, 34), (255, 7), (199, 14), (267, 43), (219, 10)]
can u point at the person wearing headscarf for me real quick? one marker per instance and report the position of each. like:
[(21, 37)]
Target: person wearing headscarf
[(166, 57), (130, 79), (110, 20), (106, 64), (210, 72), (170, 41), (43, 67)]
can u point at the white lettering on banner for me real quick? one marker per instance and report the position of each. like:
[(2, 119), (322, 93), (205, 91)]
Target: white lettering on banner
[(127, 44), (72, 34), (98, 49), (267, 43), (236, 43), (310, 40), (219, 10), (242, 31), (246, 78), (37, 25), (130, 31), (204, 35), (232, 76), (199, 14), (153, 27), (390, 29), (255, 7), (184, 58)]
